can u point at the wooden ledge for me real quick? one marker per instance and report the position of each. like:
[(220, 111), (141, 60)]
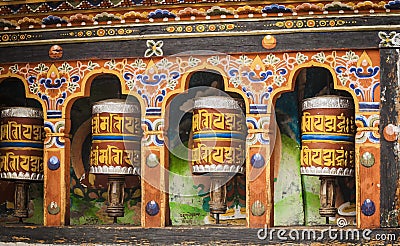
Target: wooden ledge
[(205, 235)]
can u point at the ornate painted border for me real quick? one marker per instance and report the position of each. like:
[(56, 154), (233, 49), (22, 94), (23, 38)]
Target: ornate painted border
[(211, 28), (59, 14)]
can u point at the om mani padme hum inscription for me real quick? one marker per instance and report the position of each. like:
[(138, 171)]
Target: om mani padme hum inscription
[(21, 143), (328, 130), (116, 135)]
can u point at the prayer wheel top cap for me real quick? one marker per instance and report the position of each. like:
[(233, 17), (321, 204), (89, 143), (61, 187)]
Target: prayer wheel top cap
[(217, 102), (115, 106), (23, 112), (327, 101)]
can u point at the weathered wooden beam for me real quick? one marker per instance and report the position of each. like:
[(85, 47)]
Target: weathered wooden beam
[(212, 235), (390, 168), (196, 45)]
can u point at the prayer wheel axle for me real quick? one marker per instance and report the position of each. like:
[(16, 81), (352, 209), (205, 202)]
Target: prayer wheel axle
[(21, 199), (115, 207)]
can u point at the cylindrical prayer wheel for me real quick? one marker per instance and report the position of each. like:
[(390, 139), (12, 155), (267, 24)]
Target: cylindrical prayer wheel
[(116, 141), (21, 143), (328, 130), (21, 152), (327, 139), (219, 133), (116, 137)]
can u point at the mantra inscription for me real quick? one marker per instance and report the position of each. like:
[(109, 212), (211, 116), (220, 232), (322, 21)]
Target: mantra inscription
[(209, 120), (116, 138), (115, 123), (327, 138), (12, 130), (339, 124), (112, 155), (203, 154), (21, 144), (218, 136), (327, 157)]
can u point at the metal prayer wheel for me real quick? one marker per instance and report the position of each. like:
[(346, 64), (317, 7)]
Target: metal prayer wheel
[(219, 132), (115, 150), (21, 152), (328, 132)]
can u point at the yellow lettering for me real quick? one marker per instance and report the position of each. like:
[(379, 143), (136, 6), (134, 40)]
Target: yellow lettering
[(105, 123), (24, 162), (95, 124), (330, 123), (205, 119), (15, 130), (27, 131), (306, 125), (37, 132), (316, 156), (218, 154), (329, 157), (341, 126), (219, 121), (117, 122)]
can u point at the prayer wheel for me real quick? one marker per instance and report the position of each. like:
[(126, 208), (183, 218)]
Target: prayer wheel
[(219, 133), (115, 150), (328, 133), (21, 152)]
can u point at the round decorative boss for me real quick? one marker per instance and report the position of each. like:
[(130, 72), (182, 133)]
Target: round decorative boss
[(368, 207), (53, 208), (257, 160), (367, 159), (152, 160), (55, 52), (268, 42), (152, 208), (257, 209), (53, 163)]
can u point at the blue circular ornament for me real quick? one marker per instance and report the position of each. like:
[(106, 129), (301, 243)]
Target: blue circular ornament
[(152, 208), (53, 163), (368, 207), (257, 160)]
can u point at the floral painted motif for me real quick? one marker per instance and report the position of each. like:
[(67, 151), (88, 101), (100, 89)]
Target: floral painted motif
[(53, 85), (391, 39), (259, 77), (154, 48)]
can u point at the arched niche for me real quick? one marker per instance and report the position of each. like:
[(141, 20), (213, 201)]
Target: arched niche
[(189, 194), (13, 94), (88, 192), (292, 191)]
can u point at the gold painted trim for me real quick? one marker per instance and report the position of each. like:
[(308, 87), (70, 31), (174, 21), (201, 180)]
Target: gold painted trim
[(146, 133), (364, 129), (56, 134), (205, 21)]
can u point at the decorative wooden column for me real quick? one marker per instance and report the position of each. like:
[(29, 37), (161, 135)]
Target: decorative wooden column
[(368, 187), (56, 164), (259, 171), (154, 179)]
